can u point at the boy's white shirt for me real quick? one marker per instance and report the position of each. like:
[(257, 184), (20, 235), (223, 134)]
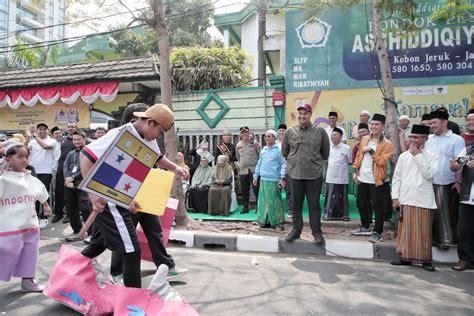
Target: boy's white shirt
[(18, 193)]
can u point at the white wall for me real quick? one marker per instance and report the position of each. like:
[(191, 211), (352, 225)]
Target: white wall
[(249, 40)]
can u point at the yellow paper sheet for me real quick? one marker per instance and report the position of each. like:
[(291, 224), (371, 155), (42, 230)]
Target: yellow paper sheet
[(155, 191)]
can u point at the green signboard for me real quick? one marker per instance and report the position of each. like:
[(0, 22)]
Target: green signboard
[(335, 51)]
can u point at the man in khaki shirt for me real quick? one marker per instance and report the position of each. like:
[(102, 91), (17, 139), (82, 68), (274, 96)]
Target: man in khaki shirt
[(247, 151), (305, 146)]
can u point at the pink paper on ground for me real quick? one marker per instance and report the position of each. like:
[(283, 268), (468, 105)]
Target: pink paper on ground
[(74, 283)]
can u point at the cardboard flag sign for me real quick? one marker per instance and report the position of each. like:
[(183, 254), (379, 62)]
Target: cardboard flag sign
[(155, 192), (118, 175)]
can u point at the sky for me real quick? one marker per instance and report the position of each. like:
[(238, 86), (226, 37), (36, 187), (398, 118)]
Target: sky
[(113, 6)]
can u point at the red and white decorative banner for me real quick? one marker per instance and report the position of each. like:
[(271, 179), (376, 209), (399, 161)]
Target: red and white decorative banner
[(68, 94)]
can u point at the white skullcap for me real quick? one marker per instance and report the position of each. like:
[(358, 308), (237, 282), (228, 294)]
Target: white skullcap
[(271, 131), (365, 112), (10, 144), (404, 117)]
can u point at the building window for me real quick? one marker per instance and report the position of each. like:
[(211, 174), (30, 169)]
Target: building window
[(4, 5)]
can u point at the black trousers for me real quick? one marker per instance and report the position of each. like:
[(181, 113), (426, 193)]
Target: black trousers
[(465, 233), (152, 228), (59, 192), (289, 197), (45, 178), (246, 180), (377, 196), (311, 189), (77, 203), (114, 230)]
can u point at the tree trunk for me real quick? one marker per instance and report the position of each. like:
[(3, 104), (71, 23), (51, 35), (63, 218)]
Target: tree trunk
[(166, 97), (262, 29), (386, 75)]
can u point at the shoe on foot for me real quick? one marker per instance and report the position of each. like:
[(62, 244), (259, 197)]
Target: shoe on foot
[(375, 238), (74, 237), (160, 285), (117, 278), (318, 238), (56, 218), (279, 227), (400, 262), (292, 236), (32, 285), (462, 265), (66, 220), (362, 231), (43, 223), (429, 267), (175, 273)]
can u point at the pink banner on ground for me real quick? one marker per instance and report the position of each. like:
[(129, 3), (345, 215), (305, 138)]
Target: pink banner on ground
[(79, 283)]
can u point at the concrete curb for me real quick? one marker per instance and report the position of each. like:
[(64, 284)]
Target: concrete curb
[(332, 247)]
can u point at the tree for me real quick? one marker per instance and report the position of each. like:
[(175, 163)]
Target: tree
[(262, 29), (158, 21), (209, 68), (460, 10), (134, 42), (24, 57), (187, 22)]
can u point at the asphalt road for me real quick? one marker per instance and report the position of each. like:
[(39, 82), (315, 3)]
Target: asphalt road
[(227, 283)]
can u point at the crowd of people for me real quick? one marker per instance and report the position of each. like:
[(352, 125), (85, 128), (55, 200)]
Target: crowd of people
[(35, 166), (430, 189)]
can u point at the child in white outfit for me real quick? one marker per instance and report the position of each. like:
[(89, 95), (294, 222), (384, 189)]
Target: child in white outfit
[(19, 231)]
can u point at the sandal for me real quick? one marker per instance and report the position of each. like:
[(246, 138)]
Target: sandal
[(462, 265)]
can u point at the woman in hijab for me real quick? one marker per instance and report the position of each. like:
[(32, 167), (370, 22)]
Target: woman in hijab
[(200, 185), (202, 150), (219, 199)]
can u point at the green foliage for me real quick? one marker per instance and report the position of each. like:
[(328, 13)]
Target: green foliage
[(24, 57), (209, 68), (134, 41), (188, 21), (460, 10), (403, 10)]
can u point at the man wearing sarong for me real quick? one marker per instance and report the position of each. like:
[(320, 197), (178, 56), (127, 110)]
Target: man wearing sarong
[(412, 192), (337, 178), (271, 168), (447, 145)]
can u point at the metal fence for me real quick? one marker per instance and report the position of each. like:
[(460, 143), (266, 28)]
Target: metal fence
[(189, 139)]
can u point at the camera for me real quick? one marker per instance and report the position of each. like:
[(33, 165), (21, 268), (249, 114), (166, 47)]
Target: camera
[(463, 160)]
